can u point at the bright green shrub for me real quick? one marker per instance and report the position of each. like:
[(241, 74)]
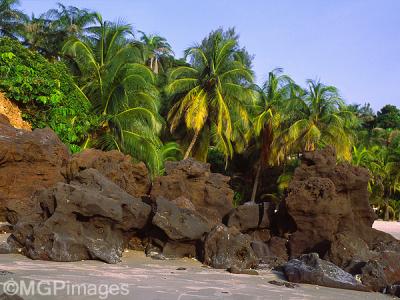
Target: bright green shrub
[(45, 92)]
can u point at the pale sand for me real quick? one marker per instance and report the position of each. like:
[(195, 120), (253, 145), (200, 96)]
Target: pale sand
[(150, 279)]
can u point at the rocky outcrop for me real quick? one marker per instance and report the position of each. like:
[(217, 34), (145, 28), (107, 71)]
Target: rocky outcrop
[(209, 192), (251, 216), (226, 248), (309, 268), (13, 114), (328, 211), (89, 218), (179, 223), (119, 168), (29, 162)]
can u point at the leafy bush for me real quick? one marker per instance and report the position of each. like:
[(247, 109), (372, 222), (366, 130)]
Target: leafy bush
[(45, 92)]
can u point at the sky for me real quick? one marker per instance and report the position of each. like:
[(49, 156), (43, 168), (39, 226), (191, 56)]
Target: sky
[(351, 44)]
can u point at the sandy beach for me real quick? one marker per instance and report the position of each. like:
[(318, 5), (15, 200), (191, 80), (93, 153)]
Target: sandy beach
[(182, 279)]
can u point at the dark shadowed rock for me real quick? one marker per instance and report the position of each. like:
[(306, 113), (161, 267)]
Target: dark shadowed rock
[(272, 253), (30, 161), (251, 216), (119, 168), (90, 218), (174, 249), (10, 297), (179, 223), (309, 268), (209, 192), (373, 276), (227, 247)]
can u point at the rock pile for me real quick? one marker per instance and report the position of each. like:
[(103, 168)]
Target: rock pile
[(95, 204)]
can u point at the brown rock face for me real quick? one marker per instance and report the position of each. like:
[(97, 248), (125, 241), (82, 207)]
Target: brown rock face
[(89, 218), (13, 113), (119, 168), (29, 162), (326, 199), (328, 209), (209, 192)]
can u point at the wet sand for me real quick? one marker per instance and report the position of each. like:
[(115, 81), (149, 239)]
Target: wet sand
[(151, 279)]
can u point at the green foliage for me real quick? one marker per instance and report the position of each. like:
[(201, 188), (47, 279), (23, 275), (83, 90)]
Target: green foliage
[(388, 117), (45, 92)]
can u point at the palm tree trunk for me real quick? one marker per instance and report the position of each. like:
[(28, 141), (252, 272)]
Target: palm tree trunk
[(189, 149), (386, 217), (255, 185)]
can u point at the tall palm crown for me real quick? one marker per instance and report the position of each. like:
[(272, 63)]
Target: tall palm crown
[(320, 118), (121, 90), (212, 94), (156, 51), (11, 19)]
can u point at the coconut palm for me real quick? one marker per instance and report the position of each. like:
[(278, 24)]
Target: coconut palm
[(121, 90), (320, 118), (156, 51), (273, 96), (212, 95), (11, 19)]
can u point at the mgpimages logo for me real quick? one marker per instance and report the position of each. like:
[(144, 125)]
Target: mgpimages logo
[(59, 287)]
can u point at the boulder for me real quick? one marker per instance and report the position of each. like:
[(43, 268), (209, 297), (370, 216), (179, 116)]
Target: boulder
[(272, 253), (309, 268), (251, 216), (209, 192), (227, 247), (30, 161), (179, 223), (373, 276), (89, 218), (174, 249), (116, 166)]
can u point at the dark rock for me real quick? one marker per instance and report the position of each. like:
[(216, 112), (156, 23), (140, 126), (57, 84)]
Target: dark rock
[(346, 249), (393, 290), (178, 250), (263, 235), (90, 218), (235, 270), (284, 283), (309, 268), (373, 276), (116, 166), (179, 223), (226, 247), (274, 253), (209, 192), (30, 161), (251, 216)]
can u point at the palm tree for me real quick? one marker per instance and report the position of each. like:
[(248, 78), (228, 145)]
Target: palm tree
[(156, 51), (121, 90), (212, 94), (71, 21), (11, 19), (320, 118), (273, 96)]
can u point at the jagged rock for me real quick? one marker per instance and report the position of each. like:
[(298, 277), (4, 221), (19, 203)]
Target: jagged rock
[(30, 161), (119, 168), (393, 290), (10, 297), (179, 223), (227, 247), (273, 253), (209, 192), (373, 276), (263, 235), (347, 249), (251, 216), (90, 218), (309, 268)]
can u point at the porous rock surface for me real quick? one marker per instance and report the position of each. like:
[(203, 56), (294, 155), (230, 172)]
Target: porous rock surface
[(209, 192), (30, 161)]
